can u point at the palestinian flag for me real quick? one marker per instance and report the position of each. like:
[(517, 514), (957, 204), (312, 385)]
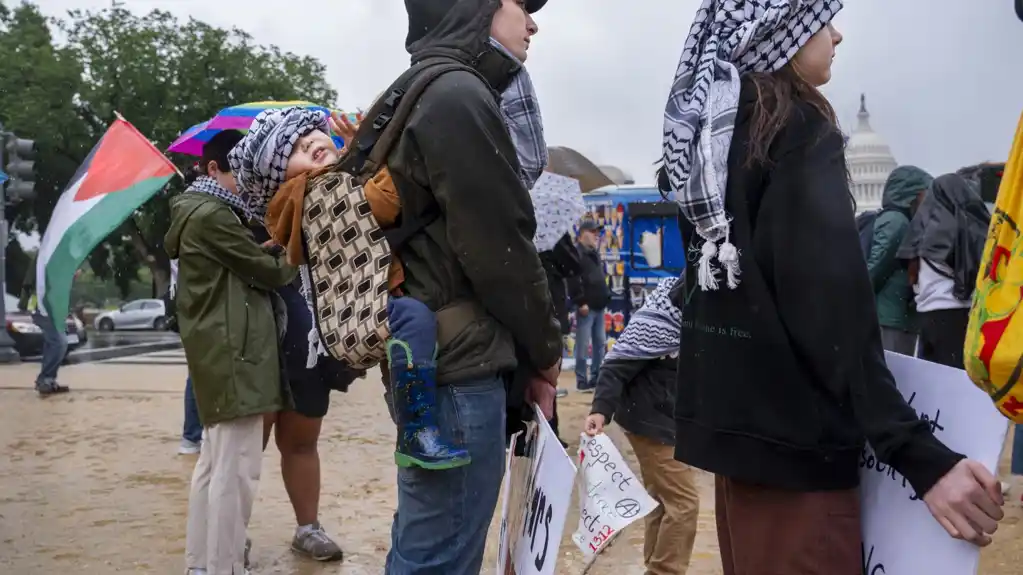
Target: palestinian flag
[(122, 171)]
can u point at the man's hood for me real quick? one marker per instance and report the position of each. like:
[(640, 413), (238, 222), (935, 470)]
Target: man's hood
[(903, 186), (454, 28)]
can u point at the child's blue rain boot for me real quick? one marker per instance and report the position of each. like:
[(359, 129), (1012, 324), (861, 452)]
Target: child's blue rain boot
[(410, 354)]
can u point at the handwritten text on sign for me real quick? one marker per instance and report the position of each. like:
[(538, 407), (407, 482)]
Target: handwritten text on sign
[(900, 537), (543, 503), (610, 495)]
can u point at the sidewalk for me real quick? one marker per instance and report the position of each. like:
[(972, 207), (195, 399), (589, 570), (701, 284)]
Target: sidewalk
[(90, 483)]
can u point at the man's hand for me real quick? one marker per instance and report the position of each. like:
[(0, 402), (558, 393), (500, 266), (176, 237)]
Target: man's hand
[(542, 392), (584, 310), (551, 373), (967, 502), (594, 424)]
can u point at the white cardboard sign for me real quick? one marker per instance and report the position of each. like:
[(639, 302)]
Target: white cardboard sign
[(536, 504), (610, 496), (900, 536)]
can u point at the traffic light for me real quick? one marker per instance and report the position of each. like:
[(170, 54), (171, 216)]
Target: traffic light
[(20, 169)]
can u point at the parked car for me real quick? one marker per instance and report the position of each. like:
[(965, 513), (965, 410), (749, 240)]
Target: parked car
[(138, 314), (28, 338)]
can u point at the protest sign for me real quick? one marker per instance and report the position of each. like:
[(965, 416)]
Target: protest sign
[(610, 496), (537, 496), (900, 536), (510, 470)]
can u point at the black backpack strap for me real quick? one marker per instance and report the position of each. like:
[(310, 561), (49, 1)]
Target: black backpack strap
[(385, 121), (382, 128)]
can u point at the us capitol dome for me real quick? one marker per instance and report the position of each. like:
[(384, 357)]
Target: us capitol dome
[(870, 160)]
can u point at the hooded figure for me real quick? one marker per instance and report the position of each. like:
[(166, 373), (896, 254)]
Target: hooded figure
[(944, 246), (950, 227), (480, 250), (469, 152), (888, 275)]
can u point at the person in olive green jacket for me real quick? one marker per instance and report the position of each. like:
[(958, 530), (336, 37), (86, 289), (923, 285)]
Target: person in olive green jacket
[(230, 337), (888, 274)]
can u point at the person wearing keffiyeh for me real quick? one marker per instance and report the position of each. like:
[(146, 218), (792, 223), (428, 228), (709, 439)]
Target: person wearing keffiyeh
[(782, 378), (636, 388), (228, 328), (274, 158)]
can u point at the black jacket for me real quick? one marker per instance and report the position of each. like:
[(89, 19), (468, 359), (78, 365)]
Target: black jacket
[(456, 156), (562, 264), (950, 227), (590, 286), (782, 380), (639, 395)]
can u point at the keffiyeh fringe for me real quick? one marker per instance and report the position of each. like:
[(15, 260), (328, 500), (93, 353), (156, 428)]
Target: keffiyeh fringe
[(316, 347), (728, 38), (521, 112)]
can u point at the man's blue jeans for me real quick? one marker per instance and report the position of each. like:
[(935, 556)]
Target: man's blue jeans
[(192, 430), (440, 527), (1017, 450), (589, 329), (54, 347)]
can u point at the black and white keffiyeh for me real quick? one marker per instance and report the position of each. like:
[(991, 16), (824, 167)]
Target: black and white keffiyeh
[(521, 112), (259, 164), (260, 161), (209, 185), (728, 38), (653, 330)]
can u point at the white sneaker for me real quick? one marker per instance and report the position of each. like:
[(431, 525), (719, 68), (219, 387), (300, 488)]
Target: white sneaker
[(189, 448)]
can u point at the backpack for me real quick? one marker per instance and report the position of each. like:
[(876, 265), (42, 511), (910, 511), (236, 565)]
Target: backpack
[(348, 254), (865, 226)]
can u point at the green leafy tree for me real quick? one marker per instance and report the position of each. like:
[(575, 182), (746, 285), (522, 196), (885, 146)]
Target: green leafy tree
[(163, 75), (37, 83)]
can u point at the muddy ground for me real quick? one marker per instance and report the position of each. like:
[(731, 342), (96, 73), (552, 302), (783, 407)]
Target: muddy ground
[(90, 483)]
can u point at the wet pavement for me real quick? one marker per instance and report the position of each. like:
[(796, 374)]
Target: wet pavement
[(90, 483)]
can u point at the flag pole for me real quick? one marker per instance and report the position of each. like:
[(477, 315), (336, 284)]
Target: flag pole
[(121, 118)]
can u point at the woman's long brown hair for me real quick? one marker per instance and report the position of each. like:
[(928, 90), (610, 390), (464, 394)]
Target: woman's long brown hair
[(777, 93)]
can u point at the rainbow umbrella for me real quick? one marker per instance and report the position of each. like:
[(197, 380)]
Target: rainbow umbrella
[(240, 118)]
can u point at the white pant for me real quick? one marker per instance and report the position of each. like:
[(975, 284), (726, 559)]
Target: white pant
[(224, 487)]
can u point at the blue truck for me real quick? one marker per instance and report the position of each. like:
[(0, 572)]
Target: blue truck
[(640, 244)]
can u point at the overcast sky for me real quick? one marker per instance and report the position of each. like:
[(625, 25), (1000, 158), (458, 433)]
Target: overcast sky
[(937, 73)]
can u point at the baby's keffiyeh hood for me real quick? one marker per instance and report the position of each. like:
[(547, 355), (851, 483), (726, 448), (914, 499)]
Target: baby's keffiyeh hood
[(728, 38), (259, 162)]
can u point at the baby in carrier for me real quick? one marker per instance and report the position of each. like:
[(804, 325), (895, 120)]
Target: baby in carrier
[(284, 148)]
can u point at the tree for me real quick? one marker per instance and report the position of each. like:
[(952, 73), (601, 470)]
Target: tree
[(38, 80), (163, 75)]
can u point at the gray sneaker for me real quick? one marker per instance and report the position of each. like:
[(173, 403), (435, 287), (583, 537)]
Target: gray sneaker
[(313, 542)]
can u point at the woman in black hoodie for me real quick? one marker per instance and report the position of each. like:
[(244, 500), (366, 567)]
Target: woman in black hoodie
[(781, 376)]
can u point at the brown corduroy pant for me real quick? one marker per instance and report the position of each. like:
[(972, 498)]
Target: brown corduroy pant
[(764, 531)]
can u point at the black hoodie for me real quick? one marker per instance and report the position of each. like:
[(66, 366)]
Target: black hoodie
[(456, 155), (782, 380)]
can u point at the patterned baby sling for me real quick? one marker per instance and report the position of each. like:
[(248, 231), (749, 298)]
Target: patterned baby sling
[(349, 255)]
